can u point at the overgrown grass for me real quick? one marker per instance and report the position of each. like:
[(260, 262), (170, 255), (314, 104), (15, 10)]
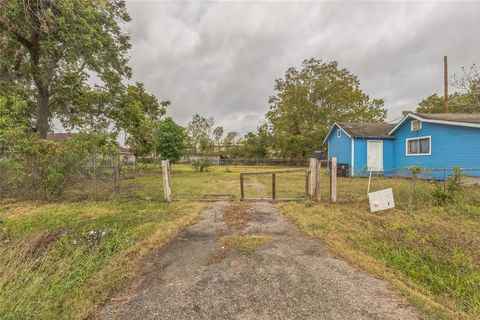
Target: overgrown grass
[(432, 255), (60, 261), (245, 243)]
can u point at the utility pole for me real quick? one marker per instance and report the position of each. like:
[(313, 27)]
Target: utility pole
[(445, 82)]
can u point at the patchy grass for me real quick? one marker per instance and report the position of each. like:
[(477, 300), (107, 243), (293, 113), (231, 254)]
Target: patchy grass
[(432, 256), (238, 215), (62, 260), (245, 244)]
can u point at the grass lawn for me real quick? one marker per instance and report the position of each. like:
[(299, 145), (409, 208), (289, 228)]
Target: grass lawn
[(60, 261), (432, 256)]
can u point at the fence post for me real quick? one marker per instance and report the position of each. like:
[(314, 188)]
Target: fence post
[(333, 180), (318, 196), (307, 183), (116, 171), (273, 186), (242, 194), (313, 180), (167, 189)]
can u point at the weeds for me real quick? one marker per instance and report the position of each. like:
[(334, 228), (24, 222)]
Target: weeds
[(245, 244)]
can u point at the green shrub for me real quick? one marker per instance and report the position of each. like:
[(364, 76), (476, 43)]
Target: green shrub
[(201, 165), (451, 191)]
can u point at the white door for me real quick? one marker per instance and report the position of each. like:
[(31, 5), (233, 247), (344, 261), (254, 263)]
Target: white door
[(375, 155)]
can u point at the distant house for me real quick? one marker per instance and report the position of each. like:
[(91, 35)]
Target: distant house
[(126, 155), (60, 136), (440, 140)]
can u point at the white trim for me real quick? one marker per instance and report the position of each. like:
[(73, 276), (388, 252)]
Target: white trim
[(452, 123), (339, 133), (352, 166), (330, 131), (415, 121), (418, 154), (381, 149)]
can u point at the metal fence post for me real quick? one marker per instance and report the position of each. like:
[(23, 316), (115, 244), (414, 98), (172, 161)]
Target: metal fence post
[(116, 171), (167, 189), (273, 186), (333, 180)]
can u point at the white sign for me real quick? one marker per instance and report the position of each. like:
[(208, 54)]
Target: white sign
[(381, 200)]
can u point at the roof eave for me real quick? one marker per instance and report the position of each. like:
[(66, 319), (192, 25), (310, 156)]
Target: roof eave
[(447, 122), (331, 129)]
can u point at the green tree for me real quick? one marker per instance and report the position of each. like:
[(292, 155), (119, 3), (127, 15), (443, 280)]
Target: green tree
[(200, 135), (52, 49), (170, 140), (256, 144), (308, 101), (465, 100)]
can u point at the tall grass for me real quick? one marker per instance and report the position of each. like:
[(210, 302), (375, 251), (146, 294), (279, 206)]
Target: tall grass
[(431, 255)]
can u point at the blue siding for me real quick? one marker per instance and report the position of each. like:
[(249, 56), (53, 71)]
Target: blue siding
[(340, 147), (360, 157), (450, 146)]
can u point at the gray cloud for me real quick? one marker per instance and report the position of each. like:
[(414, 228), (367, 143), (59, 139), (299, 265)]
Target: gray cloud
[(220, 59)]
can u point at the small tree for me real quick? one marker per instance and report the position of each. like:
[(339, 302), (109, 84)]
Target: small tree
[(170, 140)]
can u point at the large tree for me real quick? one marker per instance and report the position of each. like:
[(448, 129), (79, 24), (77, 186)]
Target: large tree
[(69, 58), (308, 101)]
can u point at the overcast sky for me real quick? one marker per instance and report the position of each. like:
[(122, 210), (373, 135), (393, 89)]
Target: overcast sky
[(220, 59)]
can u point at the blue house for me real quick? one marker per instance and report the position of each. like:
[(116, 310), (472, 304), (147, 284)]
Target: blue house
[(441, 140)]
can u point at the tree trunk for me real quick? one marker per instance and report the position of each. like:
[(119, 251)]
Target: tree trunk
[(41, 120)]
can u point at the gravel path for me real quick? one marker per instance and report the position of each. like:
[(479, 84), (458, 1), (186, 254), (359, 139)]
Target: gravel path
[(289, 277)]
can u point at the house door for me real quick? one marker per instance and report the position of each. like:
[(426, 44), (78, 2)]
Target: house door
[(375, 155)]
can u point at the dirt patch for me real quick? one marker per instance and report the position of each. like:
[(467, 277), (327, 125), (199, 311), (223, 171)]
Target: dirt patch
[(218, 255), (238, 215)]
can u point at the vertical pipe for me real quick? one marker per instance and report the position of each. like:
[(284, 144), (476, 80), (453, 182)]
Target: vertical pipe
[(445, 82)]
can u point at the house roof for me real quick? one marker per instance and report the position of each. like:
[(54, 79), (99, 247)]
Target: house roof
[(370, 130), (364, 130), (60, 136), (457, 119)]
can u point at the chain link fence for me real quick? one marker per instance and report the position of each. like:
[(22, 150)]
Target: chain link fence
[(412, 187)]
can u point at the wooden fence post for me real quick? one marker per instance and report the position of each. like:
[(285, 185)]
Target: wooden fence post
[(307, 184), (318, 190), (273, 186), (167, 189), (333, 179), (242, 193), (313, 180)]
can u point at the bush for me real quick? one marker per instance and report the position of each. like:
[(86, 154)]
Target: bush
[(451, 191), (34, 165), (201, 165)]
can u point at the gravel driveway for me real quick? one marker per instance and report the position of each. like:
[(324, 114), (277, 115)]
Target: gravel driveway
[(288, 277)]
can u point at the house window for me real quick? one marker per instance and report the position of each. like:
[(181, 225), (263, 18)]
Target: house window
[(339, 133), (419, 146), (416, 125)]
